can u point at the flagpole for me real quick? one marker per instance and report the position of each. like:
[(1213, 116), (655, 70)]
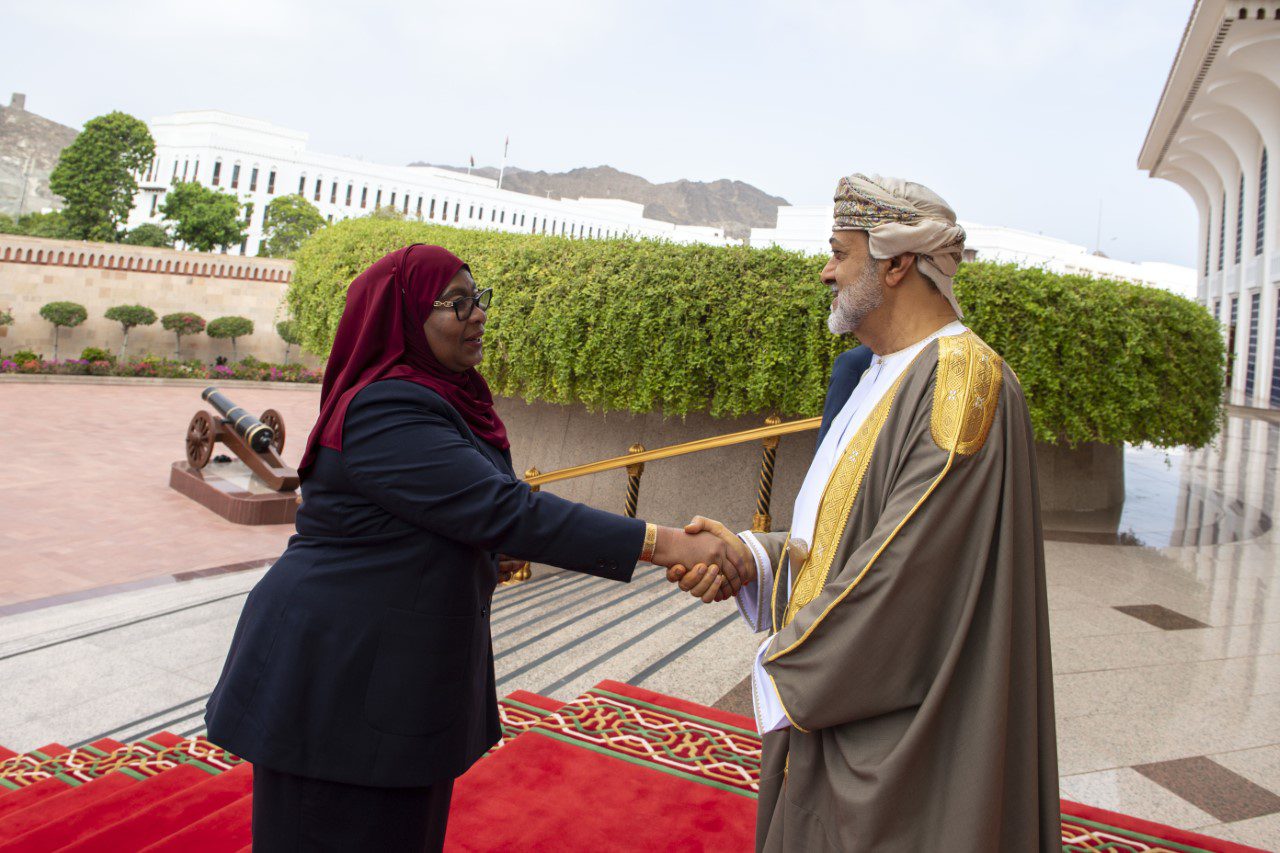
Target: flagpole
[(505, 145)]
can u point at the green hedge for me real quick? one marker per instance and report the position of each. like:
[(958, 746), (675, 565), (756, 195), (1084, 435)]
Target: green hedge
[(644, 325)]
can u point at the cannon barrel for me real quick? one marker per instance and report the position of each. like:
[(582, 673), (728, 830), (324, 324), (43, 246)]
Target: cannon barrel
[(257, 434)]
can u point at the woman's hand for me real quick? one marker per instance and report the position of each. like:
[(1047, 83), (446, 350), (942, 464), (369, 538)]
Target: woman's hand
[(508, 566)]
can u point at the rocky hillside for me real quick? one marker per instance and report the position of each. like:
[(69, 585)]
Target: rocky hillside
[(735, 206), (29, 149)]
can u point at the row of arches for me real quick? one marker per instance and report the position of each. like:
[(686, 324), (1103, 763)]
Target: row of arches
[(251, 272)]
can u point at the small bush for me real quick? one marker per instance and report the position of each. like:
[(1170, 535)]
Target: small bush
[(25, 355), (96, 354)]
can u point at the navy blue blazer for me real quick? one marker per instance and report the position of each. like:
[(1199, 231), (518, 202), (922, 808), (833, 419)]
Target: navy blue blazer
[(364, 655), (845, 374)]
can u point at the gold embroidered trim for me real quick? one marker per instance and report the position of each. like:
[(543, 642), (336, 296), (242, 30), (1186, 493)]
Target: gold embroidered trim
[(790, 719), (951, 456), (837, 502), (778, 575), (966, 393)]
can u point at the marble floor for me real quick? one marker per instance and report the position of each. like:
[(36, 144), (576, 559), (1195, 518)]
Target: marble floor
[(1166, 645)]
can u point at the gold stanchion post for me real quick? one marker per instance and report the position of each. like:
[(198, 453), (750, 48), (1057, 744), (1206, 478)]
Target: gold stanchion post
[(633, 481), (761, 522)]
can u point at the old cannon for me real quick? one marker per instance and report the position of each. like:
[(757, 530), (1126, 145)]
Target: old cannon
[(258, 441)]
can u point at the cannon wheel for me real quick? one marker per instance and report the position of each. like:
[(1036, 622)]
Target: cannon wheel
[(273, 420), (200, 435)]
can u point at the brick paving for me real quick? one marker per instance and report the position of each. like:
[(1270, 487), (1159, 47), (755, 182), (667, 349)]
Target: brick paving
[(84, 485)]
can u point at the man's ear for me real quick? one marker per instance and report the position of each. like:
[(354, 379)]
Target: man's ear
[(899, 266)]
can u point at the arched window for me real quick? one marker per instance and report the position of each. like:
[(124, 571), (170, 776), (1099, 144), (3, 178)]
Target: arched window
[(81, 262), (471, 212), (419, 211), (195, 170), (155, 199), (1260, 14), (431, 213), (235, 176), (502, 218), (534, 229), (364, 197), (1222, 231), (406, 203), (271, 183), (1240, 220), (457, 210), (302, 184), (253, 180), (377, 200), (316, 197), (493, 215), (185, 164), (482, 213), (40, 257), (175, 169), (333, 193), (350, 188), (393, 198), (444, 211)]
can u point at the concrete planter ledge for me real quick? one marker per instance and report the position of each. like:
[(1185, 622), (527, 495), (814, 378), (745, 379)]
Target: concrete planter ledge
[(54, 379)]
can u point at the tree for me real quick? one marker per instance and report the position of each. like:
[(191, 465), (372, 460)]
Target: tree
[(288, 221), (129, 316), (230, 327), (182, 323), (96, 173), (7, 225), (149, 234), (386, 211), (202, 218), (69, 314), (52, 225), (292, 335)]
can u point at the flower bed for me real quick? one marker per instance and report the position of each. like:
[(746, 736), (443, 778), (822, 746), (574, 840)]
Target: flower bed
[(164, 368)]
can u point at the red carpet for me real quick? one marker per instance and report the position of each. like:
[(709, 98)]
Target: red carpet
[(618, 768)]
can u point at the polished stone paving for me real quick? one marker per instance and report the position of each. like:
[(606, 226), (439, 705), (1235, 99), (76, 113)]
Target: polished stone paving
[(1156, 717)]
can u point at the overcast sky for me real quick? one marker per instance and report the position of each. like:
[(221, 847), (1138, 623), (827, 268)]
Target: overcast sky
[(1019, 114)]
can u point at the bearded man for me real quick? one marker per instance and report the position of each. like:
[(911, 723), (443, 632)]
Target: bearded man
[(904, 692)]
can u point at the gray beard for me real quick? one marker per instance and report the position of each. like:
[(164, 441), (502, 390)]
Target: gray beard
[(855, 302)]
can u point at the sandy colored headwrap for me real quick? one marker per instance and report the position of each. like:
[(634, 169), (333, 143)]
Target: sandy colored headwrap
[(899, 217)]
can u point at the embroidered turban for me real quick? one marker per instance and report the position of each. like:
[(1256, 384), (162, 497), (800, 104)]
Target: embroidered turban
[(899, 217)]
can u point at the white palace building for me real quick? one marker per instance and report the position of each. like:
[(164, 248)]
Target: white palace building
[(805, 228), (258, 161), (1217, 119)]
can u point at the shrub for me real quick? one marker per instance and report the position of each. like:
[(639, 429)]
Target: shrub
[(69, 314), (129, 316), (6, 317), (230, 327), (149, 234), (22, 356), (644, 325), (291, 335), (96, 354), (182, 323)]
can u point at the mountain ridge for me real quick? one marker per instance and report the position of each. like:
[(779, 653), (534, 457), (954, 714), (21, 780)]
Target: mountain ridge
[(734, 206)]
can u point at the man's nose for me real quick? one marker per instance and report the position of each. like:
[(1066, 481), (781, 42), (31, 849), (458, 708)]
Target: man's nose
[(828, 274)]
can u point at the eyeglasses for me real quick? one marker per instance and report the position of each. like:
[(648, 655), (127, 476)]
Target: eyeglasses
[(463, 307)]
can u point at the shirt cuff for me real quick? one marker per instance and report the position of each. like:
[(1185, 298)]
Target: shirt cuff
[(752, 594), (770, 715)]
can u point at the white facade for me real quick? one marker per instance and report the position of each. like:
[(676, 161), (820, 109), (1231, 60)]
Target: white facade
[(807, 228), (1217, 119), (259, 161)]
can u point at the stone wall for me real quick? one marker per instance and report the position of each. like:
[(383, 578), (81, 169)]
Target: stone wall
[(34, 271)]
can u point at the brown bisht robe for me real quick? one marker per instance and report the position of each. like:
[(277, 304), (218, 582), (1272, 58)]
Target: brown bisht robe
[(912, 654)]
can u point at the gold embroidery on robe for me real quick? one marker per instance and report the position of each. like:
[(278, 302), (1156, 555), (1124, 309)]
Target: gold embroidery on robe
[(837, 502), (966, 393)]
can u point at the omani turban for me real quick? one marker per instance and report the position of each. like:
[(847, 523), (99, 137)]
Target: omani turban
[(899, 217)]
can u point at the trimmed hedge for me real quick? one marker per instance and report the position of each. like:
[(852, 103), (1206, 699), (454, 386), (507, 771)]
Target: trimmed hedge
[(645, 325)]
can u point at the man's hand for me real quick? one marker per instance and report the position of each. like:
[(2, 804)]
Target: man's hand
[(680, 548), (701, 580)]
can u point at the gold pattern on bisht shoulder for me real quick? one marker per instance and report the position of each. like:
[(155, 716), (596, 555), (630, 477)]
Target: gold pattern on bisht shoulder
[(836, 505), (966, 393)]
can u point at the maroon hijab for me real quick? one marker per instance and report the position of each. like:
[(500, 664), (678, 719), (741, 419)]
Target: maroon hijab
[(380, 336)]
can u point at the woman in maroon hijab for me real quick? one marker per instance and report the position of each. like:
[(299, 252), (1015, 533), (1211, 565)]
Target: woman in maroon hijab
[(360, 678)]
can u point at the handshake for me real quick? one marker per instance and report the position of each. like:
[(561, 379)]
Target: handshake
[(706, 559)]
